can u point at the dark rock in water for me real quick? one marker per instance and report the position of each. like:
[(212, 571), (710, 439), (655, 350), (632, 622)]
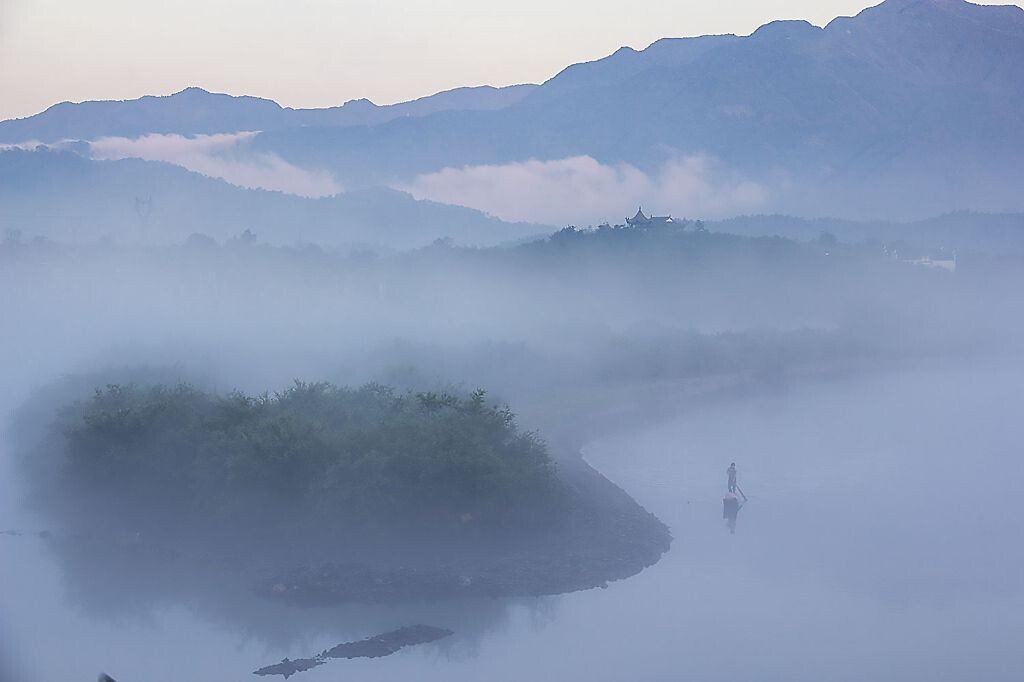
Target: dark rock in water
[(106, 678), (372, 647), (383, 644), (288, 667), (13, 533), (387, 643)]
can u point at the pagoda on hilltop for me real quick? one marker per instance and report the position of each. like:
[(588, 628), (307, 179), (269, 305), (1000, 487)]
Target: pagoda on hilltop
[(640, 220)]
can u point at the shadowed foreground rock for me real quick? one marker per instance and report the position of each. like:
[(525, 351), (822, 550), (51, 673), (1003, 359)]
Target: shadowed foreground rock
[(387, 643), (288, 667), (383, 644)]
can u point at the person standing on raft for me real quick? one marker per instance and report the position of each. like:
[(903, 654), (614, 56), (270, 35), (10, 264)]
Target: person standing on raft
[(731, 473)]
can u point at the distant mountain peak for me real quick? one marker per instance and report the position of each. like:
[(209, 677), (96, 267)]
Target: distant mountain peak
[(953, 8), (785, 28), (934, 19), (360, 103), (192, 90)]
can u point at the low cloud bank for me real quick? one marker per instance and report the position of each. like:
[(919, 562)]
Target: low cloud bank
[(226, 156), (28, 146), (581, 190)]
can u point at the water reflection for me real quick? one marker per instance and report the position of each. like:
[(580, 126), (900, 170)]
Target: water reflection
[(118, 590), (731, 505), (131, 579)]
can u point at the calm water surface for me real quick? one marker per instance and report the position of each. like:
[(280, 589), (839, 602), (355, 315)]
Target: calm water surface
[(882, 541)]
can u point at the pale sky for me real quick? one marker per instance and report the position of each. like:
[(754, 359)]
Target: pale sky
[(309, 53)]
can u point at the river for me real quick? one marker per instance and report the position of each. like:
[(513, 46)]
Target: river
[(881, 541)]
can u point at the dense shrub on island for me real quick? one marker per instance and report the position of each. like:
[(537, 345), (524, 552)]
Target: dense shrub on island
[(315, 456)]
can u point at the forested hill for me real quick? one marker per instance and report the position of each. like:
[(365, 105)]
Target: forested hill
[(63, 196), (991, 233)]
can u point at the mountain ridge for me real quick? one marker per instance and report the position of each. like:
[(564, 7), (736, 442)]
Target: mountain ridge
[(913, 106), (908, 108), (197, 111)]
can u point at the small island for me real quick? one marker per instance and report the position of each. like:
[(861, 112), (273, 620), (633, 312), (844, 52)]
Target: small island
[(327, 494)]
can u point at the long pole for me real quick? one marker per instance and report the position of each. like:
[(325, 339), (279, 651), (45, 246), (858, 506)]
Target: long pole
[(740, 491)]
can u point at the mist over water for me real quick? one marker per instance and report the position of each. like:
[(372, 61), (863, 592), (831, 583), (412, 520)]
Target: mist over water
[(331, 392), (878, 543), (871, 404)]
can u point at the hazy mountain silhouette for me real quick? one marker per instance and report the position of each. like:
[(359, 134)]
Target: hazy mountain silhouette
[(195, 111), (913, 105), (65, 197), (910, 108)]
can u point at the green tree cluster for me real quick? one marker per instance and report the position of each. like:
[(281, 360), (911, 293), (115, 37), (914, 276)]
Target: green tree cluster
[(314, 453)]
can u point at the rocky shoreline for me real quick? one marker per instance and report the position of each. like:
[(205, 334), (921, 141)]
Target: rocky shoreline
[(605, 536)]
